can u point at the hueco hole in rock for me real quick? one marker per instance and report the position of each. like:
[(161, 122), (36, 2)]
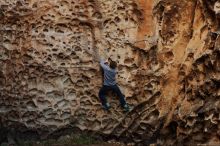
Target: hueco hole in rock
[(168, 69)]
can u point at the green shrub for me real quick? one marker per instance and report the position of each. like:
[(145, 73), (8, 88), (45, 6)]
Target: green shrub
[(73, 139)]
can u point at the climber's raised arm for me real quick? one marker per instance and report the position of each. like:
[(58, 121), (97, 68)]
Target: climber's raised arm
[(104, 64), (109, 66)]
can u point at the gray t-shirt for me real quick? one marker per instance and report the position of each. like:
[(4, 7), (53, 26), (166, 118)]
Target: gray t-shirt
[(109, 74)]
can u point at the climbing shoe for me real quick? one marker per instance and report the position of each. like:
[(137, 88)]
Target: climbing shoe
[(126, 108), (107, 106)]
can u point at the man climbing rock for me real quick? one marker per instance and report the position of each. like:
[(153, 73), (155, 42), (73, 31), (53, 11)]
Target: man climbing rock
[(109, 68)]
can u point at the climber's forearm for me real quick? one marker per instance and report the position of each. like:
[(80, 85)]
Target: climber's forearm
[(98, 58), (103, 64)]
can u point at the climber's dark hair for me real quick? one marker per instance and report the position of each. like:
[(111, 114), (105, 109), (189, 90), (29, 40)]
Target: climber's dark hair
[(113, 64)]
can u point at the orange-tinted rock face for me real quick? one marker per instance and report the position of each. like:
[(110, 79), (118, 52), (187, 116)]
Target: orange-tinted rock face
[(168, 62), (147, 25)]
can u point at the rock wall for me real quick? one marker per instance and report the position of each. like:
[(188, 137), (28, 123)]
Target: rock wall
[(168, 57)]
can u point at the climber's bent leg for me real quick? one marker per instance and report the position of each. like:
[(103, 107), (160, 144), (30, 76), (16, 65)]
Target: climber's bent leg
[(116, 89), (102, 93)]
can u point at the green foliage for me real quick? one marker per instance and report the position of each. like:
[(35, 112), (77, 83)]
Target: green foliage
[(25, 143), (4, 144), (73, 139), (84, 139)]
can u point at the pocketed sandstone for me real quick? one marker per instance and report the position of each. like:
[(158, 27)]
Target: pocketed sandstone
[(168, 56)]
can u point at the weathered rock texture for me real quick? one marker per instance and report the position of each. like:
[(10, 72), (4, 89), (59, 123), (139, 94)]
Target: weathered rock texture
[(168, 53)]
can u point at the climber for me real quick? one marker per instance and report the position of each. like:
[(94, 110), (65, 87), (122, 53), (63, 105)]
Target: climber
[(109, 68)]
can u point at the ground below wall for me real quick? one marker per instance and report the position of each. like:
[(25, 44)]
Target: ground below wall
[(168, 55)]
